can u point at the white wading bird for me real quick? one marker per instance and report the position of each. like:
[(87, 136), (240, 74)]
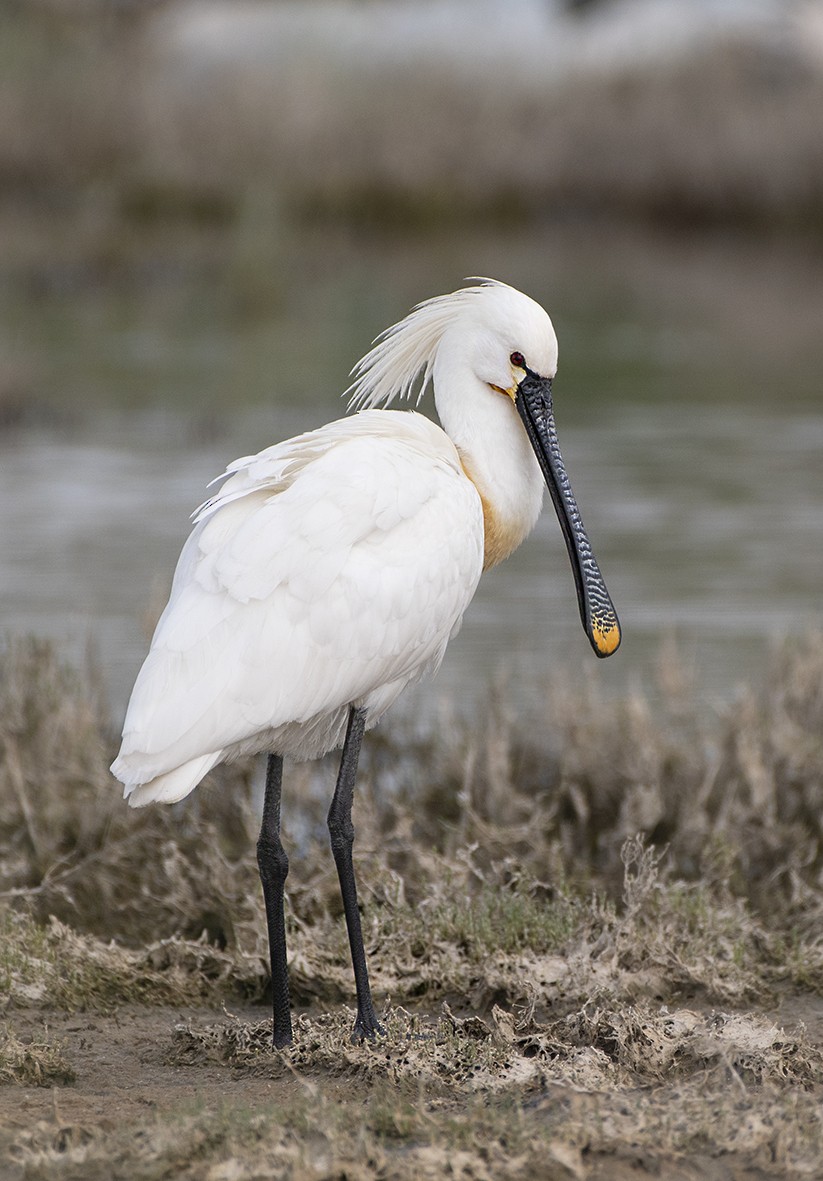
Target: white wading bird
[(330, 571)]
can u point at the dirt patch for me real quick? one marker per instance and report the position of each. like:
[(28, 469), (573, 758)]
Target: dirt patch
[(678, 1094)]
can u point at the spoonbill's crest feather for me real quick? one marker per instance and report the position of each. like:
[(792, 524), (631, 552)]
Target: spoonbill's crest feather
[(408, 349)]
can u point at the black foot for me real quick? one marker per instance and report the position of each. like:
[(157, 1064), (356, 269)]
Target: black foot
[(366, 1027), (281, 1040)]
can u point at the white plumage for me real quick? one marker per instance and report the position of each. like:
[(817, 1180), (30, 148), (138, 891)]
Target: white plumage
[(319, 576), (332, 569)]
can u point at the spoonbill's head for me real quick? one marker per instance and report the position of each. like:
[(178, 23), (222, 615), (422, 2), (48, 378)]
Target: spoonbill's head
[(499, 336), (477, 332), (486, 347)]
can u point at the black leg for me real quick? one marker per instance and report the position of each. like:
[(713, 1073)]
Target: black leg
[(341, 832), (274, 867)]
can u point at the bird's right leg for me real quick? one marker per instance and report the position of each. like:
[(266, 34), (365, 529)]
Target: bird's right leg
[(274, 867), (341, 831)]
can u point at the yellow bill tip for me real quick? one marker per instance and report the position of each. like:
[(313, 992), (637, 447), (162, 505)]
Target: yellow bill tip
[(606, 635)]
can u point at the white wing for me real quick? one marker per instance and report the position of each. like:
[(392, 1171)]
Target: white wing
[(329, 570)]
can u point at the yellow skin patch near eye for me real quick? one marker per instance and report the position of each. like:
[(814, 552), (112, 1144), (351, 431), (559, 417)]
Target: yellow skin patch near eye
[(511, 392)]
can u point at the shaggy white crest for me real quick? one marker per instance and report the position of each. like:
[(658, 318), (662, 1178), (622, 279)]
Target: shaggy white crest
[(408, 349)]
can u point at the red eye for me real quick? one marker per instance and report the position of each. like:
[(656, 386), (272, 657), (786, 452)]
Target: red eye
[(518, 360)]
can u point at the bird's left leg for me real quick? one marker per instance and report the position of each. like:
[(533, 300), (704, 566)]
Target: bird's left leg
[(341, 831)]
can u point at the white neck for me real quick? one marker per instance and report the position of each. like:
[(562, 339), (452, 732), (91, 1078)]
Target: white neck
[(495, 452)]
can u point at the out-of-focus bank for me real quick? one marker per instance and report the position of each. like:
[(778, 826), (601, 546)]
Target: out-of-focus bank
[(389, 109), (208, 210)]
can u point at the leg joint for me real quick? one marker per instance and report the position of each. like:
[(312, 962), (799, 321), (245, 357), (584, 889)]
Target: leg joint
[(272, 860)]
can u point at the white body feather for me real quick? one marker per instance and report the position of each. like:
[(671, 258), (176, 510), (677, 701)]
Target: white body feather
[(331, 570)]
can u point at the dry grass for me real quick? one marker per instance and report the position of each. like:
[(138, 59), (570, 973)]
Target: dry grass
[(518, 847), (34, 1062), (555, 987), (596, 1047)]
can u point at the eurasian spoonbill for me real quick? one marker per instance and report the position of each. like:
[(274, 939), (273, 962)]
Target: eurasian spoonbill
[(330, 571)]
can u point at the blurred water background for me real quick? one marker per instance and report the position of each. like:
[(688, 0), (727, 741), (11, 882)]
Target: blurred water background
[(208, 210)]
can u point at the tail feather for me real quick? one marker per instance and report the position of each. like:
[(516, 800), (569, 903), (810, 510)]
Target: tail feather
[(169, 787)]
